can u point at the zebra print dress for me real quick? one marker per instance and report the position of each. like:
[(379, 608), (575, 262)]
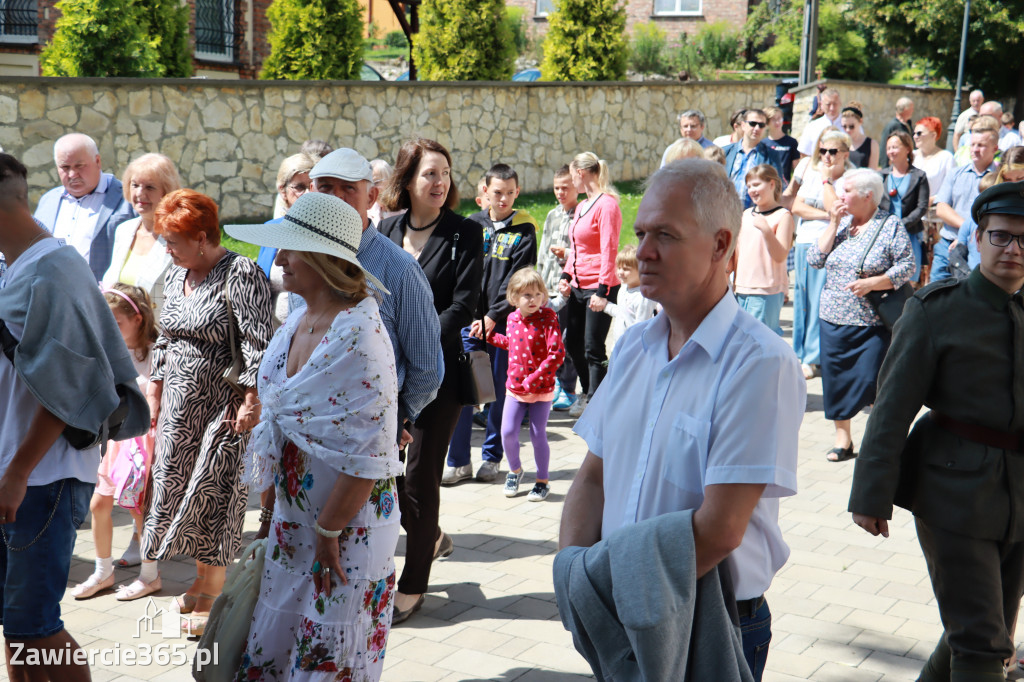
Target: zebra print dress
[(199, 496)]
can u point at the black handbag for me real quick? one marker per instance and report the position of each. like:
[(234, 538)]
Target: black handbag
[(888, 304), (476, 383)]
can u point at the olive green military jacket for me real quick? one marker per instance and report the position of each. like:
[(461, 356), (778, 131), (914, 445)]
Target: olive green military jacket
[(959, 350)]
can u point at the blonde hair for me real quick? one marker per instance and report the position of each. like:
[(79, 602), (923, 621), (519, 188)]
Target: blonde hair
[(524, 280), (626, 257), (160, 166), (148, 331), (716, 154), (344, 278), (831, 134), (292, 166), (588, 161), (683, 148)]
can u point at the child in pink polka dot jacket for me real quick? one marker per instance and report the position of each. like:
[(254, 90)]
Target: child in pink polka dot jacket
[(534, 344)]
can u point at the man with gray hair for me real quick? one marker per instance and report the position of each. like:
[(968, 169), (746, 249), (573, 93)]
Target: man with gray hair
[(832, 116), (691, 125), (1008, 137), (977, 98), (701, 406), (901, 121), (88, 206)]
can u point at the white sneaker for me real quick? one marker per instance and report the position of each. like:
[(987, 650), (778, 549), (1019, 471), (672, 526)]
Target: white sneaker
[(539, 493), (488, 471), (512, 481), (453, 475), (576, 410)]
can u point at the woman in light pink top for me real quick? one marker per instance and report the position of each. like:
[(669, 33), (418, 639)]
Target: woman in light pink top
[(761, 248)]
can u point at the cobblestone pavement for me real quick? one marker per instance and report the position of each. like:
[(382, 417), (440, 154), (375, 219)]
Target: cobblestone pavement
[(847, 606)]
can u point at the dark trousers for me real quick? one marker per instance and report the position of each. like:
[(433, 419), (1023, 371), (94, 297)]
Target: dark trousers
[(419, 491), (978, 585), (566, 373), (585, 335), (492, 451)]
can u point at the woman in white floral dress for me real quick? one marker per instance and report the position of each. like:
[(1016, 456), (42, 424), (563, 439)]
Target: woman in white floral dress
[(325, 457)]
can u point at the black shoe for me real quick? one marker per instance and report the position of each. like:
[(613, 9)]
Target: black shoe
[(841, 454), (445, 547)]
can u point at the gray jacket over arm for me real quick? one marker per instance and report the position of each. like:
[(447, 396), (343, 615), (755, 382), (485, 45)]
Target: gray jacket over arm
[(636, 610), (71, 355)]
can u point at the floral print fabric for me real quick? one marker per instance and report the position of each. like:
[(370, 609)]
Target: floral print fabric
[(298, 633), (890, 254)]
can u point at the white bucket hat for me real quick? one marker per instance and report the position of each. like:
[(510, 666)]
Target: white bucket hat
[(316, 222)]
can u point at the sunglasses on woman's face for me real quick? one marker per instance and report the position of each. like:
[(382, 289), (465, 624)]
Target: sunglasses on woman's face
[(829, 152), (920, 133)]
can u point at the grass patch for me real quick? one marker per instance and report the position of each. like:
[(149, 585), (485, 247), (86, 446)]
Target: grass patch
[(386, 53), (538, 204), (244, 248)]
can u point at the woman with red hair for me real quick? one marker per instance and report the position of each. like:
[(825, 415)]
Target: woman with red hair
[(217, 307), (935, 161)]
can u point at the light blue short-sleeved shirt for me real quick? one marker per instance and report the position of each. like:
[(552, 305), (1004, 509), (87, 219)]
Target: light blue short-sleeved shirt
[(959, 190), (726, 409)]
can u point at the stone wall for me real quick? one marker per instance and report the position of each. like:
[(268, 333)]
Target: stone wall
[(879, 104), (228, 137)]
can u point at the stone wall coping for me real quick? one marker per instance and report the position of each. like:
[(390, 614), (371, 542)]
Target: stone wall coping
[(260, 84), (838, 84)]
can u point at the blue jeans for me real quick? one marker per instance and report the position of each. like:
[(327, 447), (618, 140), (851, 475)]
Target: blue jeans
[(765, 308), (35, 557), (807, 289), (458, 451), (940, 260), (756, 633), (915, 245)]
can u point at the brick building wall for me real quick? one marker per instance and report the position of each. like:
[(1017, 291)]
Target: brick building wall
[(642, 11)]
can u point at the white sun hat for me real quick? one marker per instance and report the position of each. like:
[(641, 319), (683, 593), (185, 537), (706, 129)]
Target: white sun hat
[(322, 223)]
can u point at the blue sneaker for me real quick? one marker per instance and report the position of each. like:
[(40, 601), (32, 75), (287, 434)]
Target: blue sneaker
[(563, 401), (480, 418)]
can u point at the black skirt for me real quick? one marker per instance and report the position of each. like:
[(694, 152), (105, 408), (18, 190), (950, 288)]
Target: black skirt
[(850, 359)]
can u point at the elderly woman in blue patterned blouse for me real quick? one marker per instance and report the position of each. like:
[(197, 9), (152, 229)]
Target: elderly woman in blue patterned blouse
[(853, 338)]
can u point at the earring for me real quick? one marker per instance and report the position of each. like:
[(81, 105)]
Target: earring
[(201, 254)]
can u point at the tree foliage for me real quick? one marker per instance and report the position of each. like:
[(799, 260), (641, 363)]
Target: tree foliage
[(461, 40), (846, 49), (96, 38), (930, 30), (314, 40), (648, 50), (586, 41)]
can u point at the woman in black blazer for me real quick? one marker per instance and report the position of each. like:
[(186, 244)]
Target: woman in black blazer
[(450, 250), (907, 191)]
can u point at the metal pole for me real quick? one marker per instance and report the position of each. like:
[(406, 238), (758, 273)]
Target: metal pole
[(959, 78), (809, 43)]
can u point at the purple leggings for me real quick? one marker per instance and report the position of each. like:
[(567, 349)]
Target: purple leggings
[(511, 420)]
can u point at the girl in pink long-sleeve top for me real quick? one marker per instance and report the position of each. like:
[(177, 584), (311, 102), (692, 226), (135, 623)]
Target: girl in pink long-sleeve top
[(590, 270), (534, 344)]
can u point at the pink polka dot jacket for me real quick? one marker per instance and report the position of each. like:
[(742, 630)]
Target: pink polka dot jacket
[(535, 351)]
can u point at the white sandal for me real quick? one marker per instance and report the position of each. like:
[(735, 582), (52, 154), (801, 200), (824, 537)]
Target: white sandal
[(138, 589), (92, 585)]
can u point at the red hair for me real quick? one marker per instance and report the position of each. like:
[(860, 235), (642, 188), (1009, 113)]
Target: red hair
[(931, 123), (189, 213)]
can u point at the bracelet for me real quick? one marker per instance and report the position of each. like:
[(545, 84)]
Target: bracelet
[(266, 515), (326, 533)]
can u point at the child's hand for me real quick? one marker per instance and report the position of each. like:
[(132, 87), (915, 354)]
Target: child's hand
[(528, 385), (597, 303), (761, 223)]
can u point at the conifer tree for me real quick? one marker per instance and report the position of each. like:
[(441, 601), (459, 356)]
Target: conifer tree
[(315, 40), (463, 40), (586, 41)]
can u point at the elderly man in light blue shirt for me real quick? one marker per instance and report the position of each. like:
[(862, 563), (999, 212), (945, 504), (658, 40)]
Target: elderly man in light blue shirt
[(88, 206), (701, 407)]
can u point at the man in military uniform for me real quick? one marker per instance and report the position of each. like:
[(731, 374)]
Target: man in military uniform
[(957, 349)]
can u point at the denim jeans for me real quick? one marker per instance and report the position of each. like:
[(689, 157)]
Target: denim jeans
[(940, 260), (756, 632), (35, 557), (766, 308), (806, 300), (458, 451)]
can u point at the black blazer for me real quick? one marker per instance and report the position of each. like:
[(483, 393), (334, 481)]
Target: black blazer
[(452, 260), (915, 201)]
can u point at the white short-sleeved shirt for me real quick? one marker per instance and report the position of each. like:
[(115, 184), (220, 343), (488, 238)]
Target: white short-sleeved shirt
[(727, 409), (813, 131)]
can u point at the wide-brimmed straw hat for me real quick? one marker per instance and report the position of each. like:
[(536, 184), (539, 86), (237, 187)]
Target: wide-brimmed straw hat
[(316, 222)]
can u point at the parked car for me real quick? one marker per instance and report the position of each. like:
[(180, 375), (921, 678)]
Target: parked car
[(368, 73), (527, 76)]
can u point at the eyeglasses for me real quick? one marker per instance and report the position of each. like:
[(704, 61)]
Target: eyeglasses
[(829, 152), (299, 188), (756, 124), (920, 133), (1002, 239)]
